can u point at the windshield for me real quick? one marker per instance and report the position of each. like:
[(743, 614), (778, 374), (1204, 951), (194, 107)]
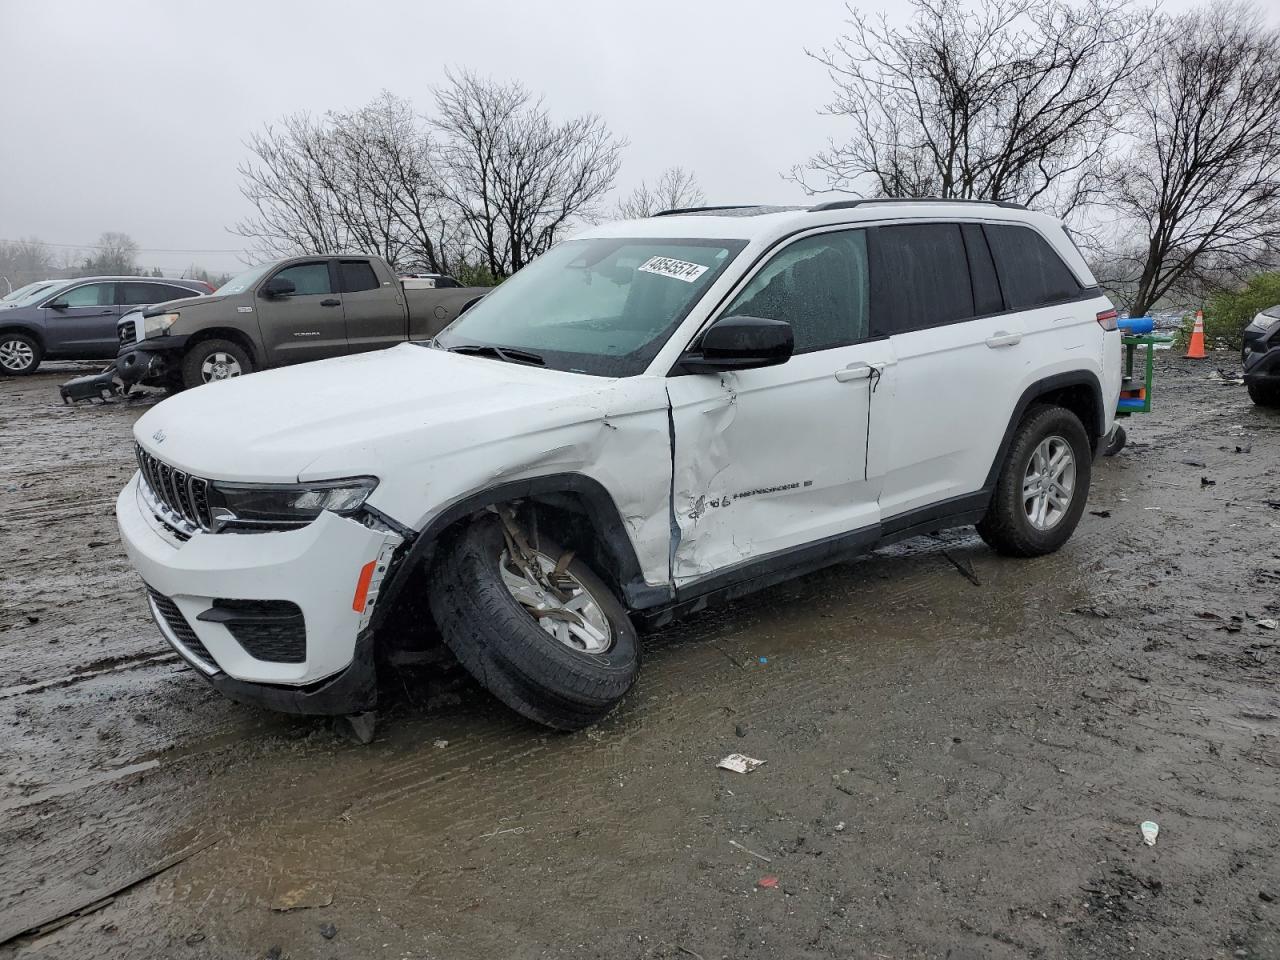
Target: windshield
[(601, 306), (243, 281), (29, 292)]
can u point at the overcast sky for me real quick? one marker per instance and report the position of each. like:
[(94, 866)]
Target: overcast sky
[(132, 116)]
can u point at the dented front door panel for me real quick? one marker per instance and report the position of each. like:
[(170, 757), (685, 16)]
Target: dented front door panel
[(770, 459)]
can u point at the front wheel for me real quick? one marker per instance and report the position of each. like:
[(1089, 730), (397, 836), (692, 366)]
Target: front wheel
[(19, 354), (1042, 486), (212, 360), (533, 624)]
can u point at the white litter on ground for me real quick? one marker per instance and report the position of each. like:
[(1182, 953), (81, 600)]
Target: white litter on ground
[(739, 763)]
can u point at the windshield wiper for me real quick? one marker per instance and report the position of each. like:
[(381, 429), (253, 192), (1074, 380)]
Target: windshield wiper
[(509, 354)]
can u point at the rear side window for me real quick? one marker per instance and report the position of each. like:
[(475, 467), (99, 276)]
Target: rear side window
[(308, 278), (922, 278), (137, 294), (1031, 273), (358, 275), (818, 285)]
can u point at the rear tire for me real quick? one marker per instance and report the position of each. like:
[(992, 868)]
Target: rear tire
[(508, 651), (1265, 394), (211, 360), (20, 354), (1042, 486)]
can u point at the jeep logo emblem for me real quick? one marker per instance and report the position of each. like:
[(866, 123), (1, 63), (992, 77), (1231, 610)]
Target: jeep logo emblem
[(158, 436)]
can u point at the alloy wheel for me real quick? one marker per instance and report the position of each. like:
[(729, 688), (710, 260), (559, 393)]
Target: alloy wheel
[(16, 355), (562, 606), (1049, 483), (220, 366)]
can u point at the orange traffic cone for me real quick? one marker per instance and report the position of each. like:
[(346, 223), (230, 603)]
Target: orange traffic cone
[(1195, 349)]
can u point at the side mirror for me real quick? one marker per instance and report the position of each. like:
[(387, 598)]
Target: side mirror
[(741, 343), (58, 304), (278, 287)]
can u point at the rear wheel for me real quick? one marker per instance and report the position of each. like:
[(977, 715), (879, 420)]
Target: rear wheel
[(1042, 486), (19, 354), (212, 360), (534, 624), (1265, 394)]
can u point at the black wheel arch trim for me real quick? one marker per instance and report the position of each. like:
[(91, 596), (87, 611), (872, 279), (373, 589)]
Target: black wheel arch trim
[(1041, 388), (601, 511), (27, 331)]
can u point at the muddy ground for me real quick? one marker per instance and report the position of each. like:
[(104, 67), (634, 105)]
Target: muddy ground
[(954, 769)]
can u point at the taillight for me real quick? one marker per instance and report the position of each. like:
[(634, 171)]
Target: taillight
[(1107, 320)]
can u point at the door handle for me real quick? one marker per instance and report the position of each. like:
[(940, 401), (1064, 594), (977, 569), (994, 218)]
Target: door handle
[(1002, 339), (331, 302), (854, 371)]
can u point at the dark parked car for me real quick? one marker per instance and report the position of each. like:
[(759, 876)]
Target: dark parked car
[(76, 319), (1260, 357)]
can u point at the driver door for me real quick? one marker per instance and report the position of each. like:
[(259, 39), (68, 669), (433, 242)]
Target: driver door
[(307, 324), (773, 460), (83, 324)]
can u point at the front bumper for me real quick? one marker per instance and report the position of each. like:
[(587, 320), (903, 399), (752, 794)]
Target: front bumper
[(1261, 365), (149, 361), (315, 567)]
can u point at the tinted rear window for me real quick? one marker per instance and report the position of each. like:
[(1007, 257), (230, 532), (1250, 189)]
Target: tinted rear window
[(921, 278), (1031, 273), (357, 275)]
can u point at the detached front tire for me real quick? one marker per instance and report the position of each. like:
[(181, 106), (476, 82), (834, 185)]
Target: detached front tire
[(19, 354), (562, 657), (1042, 486), (211, 360)]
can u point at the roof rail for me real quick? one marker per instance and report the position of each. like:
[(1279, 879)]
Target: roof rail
[(850, 204), (727, 206)]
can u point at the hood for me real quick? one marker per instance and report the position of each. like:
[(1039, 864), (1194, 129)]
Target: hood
[(358, 413), (186, 303)]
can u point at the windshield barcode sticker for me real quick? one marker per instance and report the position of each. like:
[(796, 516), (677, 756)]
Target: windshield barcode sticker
[(676, 269)]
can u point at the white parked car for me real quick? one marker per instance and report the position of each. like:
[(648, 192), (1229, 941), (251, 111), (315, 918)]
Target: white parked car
[(650, 417)]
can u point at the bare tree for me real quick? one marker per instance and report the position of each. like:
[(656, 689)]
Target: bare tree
[(674, 189), (114, 254), (352, 182), (296, 211), (1000, 100), (1200, 187), (25, 260), (517, 179)]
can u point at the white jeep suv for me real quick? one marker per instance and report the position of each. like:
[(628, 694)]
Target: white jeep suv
[(651, 416)]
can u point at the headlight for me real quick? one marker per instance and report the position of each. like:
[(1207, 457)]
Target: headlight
[(284, 505), (159, 324)]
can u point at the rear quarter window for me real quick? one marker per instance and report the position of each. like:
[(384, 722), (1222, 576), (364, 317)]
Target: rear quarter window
[(1031, 272)]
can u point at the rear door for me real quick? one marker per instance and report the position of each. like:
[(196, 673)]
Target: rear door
[(373, 306), (307, 324), (80, 321), (958, 360)]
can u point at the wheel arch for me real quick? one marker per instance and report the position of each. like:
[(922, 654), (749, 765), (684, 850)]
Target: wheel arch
[(238, 337), (1079, 391), (34, 332), (608, 546)]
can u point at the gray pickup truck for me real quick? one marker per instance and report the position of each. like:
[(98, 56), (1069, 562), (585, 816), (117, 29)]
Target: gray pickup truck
[(288, 311)]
